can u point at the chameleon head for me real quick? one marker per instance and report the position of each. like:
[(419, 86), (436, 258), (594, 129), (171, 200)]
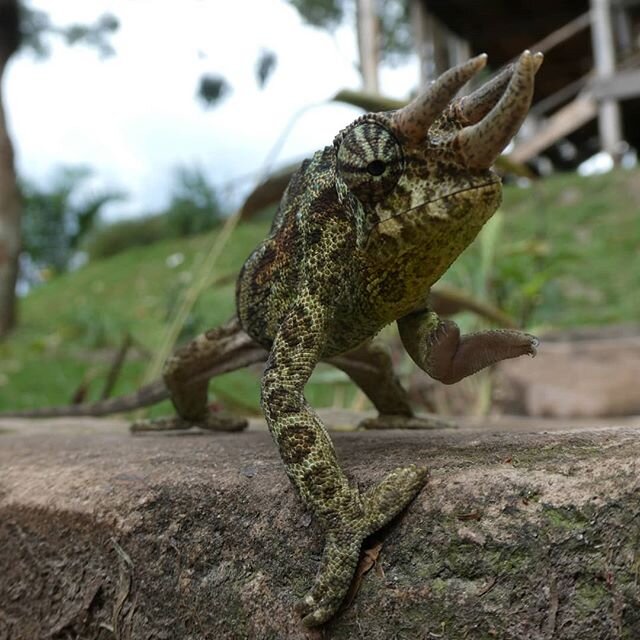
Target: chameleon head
[(419, 179)]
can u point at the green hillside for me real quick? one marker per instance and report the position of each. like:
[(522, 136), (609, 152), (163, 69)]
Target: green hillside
[(562, 253)]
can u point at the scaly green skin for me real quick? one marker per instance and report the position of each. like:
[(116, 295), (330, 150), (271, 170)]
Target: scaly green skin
[(364, 230)]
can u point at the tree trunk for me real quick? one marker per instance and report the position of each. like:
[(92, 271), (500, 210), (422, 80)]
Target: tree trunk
[(10, 210)]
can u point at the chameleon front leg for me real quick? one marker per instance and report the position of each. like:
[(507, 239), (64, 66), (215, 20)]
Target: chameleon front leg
[(437, 347), (346, 516)]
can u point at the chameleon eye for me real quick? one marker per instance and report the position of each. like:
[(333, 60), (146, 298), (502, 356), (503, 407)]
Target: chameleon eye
[(369, 160), (376, 168)]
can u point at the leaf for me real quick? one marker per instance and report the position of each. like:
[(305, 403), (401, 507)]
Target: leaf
[(212, 89), (265, 66), (368, 560)]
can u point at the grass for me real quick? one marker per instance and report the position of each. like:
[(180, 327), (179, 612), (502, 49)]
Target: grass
[(69, 326), (563, 253), (568, 253)]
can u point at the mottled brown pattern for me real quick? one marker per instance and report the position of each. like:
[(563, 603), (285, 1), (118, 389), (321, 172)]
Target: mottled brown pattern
[(296, 443), (364, 229)]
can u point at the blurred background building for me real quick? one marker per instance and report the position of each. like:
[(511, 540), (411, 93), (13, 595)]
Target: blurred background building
[(588, 97)]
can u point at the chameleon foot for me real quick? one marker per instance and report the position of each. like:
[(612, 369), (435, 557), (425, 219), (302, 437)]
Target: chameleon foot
[(406, 422), (210, 423), (453, 356), (339, 561), (342, 548), (386, 500)]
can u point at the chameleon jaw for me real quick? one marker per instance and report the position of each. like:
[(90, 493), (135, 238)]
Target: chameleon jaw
[(460, 214), (439, 213)]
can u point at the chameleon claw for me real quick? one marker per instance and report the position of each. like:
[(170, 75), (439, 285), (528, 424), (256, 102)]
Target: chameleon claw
[(318, 617), (533, 347), (316, 612), (305, 606), (213, 422)]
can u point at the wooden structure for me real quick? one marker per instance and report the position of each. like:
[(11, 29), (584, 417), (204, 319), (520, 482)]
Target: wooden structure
[(588, 91), (368, 44)]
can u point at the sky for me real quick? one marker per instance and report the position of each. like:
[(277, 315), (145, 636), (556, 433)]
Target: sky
[(134, 117)]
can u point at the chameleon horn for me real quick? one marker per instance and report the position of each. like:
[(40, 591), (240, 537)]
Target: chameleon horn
[(472, 108), (414, 120), (482, 143)]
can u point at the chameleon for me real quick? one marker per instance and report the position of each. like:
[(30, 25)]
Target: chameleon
[(364, 230)]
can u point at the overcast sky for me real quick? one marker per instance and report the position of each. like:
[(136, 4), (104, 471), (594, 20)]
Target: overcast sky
[(133, 117)]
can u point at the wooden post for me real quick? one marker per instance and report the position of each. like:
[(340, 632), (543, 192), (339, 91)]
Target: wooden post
[(459, 49), (623, 29), (438, 47), (422, 41), (609, 119), (439, 36), (368, 44), (459, 52)]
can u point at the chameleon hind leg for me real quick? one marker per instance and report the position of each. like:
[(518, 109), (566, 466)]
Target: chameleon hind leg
[(346, 515), (187, 372), (371, 369)]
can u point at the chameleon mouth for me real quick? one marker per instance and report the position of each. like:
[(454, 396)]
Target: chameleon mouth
[(462, 211), (443, 213)]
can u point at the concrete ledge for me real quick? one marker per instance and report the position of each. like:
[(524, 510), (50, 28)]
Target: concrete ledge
[(529, 535)]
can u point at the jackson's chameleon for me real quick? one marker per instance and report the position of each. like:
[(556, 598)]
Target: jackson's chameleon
[(363, 231), (365, 228)]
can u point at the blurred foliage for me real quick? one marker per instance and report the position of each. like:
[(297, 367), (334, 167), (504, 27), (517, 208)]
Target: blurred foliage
[(57, 218), (212, 89), (117, 237), (395, 31), (135, 291), (325, 14), (52, 223), (36, 28), (90, 328), (265, 66), (193, 208), (395, 28), (395, 38)]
